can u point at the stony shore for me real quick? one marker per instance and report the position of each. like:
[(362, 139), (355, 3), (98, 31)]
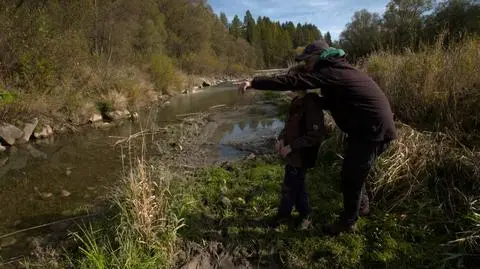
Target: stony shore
[(38, 127)]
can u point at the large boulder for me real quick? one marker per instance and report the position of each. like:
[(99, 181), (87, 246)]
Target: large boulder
[(28, 130), (10, 133)]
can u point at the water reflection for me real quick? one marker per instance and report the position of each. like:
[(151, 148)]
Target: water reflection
[(244, 136)]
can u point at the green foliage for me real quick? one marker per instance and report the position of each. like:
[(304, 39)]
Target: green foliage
[(104, 107), (407, 24), (7, 97), (362, 35), (224, 20), (236, 27), (164, 73)]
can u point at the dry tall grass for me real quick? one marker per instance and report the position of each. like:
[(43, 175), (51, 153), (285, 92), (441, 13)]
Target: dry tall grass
[(437, 89), (143, 234), (427, 175)]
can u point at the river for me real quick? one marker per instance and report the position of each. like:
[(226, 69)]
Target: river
[(71, 174)]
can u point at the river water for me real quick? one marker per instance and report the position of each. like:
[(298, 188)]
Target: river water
[(68, 174)]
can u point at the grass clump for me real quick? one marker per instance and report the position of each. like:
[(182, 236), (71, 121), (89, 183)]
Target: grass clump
[(142, 230)]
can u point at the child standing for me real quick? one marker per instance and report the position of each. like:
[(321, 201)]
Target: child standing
[(298, 144)]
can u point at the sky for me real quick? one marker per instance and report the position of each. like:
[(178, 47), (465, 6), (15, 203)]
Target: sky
[(329, 16)]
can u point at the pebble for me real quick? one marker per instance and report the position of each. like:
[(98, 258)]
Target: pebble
[(46, 195), (68, 172), (226, 202), (66, 193), (3, 161)]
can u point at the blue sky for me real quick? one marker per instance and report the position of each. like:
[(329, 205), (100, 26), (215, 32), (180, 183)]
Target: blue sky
[(327, 15)]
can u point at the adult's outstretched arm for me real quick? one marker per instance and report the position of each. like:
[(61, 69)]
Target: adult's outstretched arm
[(288, 82)]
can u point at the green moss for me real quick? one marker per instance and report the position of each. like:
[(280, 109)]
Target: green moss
[(7, 97)]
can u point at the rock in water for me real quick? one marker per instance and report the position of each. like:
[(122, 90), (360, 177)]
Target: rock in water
[(96, 117), (118, 114), (206, 83), (36, 153), (135, 116), (3, 161), (49, 130), (10, 133), (28, 131), (65, 193)]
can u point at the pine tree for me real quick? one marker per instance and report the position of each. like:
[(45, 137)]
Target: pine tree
[(251, 31), (224, 20), (328, 39), (236, 27)]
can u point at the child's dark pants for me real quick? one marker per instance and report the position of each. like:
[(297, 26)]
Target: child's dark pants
[(294, 193)]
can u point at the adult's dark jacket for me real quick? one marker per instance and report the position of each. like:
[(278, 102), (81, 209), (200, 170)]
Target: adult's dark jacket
[(358, 106)]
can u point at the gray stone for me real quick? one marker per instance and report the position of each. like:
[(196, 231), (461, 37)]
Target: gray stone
[(135, 116), (2, 148), (118, 114), (66, 193), (96, 117), (46, 132), (10, 133), (102, 125), (28, 131)]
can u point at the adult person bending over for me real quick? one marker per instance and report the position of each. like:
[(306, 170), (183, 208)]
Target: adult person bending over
[(359, 108)]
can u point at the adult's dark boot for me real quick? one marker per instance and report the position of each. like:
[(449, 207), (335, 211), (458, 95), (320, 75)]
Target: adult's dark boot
[(364, 206), (277, 220), (340, 227)]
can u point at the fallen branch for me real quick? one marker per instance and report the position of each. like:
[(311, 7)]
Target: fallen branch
[(217, 106), (189, 114), (47, 224), (133, 136)]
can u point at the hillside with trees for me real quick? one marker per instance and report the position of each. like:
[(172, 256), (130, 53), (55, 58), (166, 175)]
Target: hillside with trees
[(66, 57)]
